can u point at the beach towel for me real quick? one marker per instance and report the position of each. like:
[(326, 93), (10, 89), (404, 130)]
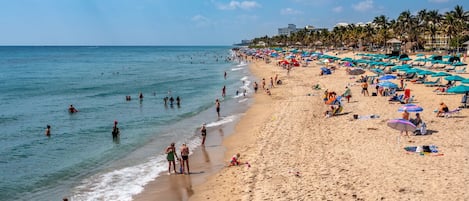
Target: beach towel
[(424, 149)]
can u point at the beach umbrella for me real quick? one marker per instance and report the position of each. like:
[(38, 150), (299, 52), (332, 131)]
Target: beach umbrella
[(410, 108), (461, 89), (387, 85), (420, 55), (387, 77), (466, 81), (441, 74), (401, 125), (405, 59), (425, 72), (413, 70), (454, 78)]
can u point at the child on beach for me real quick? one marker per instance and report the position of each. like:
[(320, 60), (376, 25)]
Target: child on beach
[(235, 160)]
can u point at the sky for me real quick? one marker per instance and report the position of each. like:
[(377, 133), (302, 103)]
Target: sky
[(184, 22)]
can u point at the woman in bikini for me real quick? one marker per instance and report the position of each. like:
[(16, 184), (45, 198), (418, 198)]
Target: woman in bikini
[(185, 158)]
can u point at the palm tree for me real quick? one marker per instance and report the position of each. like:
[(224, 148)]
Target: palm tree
[(382, 24), (433, 20)]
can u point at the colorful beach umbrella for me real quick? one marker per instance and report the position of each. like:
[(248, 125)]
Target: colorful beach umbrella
[(460, 89), (410, 108), (401, 125)]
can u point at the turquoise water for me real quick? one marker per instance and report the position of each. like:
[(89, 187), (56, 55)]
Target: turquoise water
[(80, 159)]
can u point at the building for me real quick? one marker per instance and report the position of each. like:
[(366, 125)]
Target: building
[(287, 31), (440, 41)]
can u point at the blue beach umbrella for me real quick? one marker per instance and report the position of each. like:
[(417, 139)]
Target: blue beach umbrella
[(466, 81), (405, 59), (441, 74), (454, 78), (425, 72), (387, 77), (460, 89), (420, 55), (410, 108), (387, 85)]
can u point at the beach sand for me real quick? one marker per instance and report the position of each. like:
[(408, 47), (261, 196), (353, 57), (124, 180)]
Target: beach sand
[(339, 158), (295, 153)]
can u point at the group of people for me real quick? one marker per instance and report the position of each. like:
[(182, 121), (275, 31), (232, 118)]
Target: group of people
[(172, 156), (170, 99)]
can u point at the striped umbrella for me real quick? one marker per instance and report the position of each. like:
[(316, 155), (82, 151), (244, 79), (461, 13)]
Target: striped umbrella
[(410, 108), (401, 125)]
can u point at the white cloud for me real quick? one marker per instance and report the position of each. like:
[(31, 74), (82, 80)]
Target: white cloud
[(438, 1), (245, 5), (290, 11), (363, 5), (338, 9), (200, 20)]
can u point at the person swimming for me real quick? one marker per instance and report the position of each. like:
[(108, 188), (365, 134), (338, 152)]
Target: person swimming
[(72, 109)]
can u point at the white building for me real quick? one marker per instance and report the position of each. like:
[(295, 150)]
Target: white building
[(287, 30)]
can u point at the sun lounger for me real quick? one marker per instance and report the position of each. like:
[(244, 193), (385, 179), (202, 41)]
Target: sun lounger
[(463, 70), (431, 84), (452, 112), (398, 99)]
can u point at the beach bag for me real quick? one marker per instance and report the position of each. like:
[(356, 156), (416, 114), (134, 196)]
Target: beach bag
[(423, 129)]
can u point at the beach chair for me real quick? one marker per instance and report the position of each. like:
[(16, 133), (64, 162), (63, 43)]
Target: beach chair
[(432, 84), (464, 101), (463, 70), (451, 112), (398, 99)]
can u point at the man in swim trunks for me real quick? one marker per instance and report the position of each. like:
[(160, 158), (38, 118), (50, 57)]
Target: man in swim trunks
[(185, 158), (217, 105), (365, 88), (170, 156)]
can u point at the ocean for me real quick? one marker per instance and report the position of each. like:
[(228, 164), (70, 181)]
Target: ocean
[(80, 159)]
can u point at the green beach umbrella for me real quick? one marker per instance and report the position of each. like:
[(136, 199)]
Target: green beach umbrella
[(461, 89), (441, 74), (425, 72), (454, 78)]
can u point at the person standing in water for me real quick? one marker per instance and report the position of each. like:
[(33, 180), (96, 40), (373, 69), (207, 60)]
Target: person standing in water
[(217, 105), (223, 91), (171, 155), (185, 158), (48, 130), (178, 101), (115, 131), (225, 75), (72, 109), (203, 132)]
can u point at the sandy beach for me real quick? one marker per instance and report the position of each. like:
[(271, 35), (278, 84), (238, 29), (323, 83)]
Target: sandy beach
[(296, 153)]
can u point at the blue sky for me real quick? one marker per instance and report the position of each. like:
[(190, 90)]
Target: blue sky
[(183, 22)]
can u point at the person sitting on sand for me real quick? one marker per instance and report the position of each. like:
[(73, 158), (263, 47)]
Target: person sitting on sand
[(417, 119), (268, 92), (235, 160), (330, 112), (443, 109)]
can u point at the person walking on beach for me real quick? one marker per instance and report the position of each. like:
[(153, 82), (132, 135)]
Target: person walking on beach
[(276, 78), (217, 105), (185, 158), (347, 94), (203, 132), (263, 83), (271, 82), (171, 156), (405, 115), (255, 87), (48, 130), (365, 89)]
